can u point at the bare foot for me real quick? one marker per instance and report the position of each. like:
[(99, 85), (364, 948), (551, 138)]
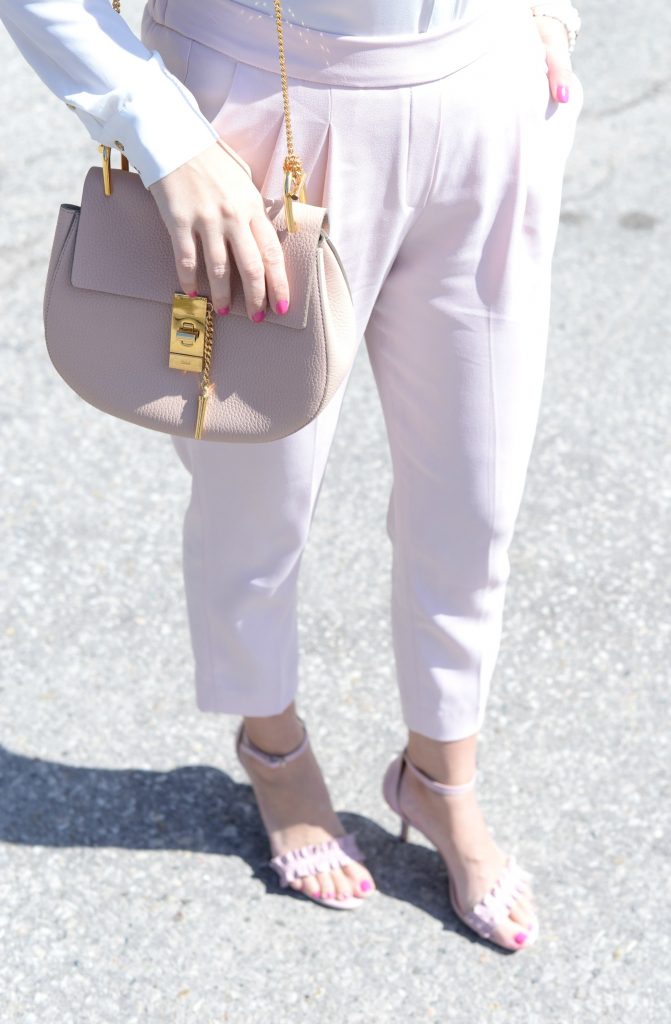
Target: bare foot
[(455, 824), (296, 810)]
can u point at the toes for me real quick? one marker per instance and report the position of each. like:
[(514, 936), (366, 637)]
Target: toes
[(352, 880), (511, 934), (518, 937), (326, 885), (517, 931), (525, 903), (343, 886), (522, 913), (360, 879), (311, 886)]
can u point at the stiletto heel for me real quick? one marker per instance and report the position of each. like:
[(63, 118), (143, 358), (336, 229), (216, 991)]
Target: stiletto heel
[(484, 916), (312, 858)]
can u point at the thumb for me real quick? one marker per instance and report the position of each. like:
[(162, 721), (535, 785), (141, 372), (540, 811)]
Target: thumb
[(560, 73)]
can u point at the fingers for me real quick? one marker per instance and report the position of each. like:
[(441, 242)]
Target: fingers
[(560, 74), (251, 269), (272, 255), (560, 71), (184, 247), (258, 257), (218, 266), (213, 199)]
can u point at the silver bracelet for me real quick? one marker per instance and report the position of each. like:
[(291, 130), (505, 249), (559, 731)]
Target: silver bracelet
[(564, 11)]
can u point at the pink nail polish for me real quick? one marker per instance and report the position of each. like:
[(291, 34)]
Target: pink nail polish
[(192, 295), (224, 311), (365, 885), (282, 306), (259, 316), (562, 93), (520, 938)]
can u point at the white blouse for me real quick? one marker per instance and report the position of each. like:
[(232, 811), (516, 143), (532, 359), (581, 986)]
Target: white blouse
[(87, 55)]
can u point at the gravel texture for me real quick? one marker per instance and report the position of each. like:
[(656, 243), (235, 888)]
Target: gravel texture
[(132, 877)]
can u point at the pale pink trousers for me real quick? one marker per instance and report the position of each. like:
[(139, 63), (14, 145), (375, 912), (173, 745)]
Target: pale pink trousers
[(440, 160)]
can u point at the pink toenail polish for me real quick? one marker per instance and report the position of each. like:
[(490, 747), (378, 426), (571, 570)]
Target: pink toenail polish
[(562, 93), (259, 316), (282, 306), (224, 311), (365, 885), (192, 295), (520, 938)]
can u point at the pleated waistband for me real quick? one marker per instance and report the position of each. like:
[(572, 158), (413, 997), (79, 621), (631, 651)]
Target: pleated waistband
[(358, 61)]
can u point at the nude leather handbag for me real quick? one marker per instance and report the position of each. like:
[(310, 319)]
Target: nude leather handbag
[(128, 343)]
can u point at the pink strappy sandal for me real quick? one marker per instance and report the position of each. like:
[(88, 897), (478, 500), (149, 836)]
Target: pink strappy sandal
[(313, 857), (486, 915)]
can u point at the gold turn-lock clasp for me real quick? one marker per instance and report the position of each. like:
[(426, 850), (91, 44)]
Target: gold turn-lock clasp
[(294, 191), (187, 332)]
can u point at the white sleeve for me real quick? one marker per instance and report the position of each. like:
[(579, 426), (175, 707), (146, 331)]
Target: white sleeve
[(87, 55)]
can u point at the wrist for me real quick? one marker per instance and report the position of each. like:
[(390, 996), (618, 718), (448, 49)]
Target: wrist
[(563, 11)]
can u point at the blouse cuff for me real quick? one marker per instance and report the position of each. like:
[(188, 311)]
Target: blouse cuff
[(156, 121)]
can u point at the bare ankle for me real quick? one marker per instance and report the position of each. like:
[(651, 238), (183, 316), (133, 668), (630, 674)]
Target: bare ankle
[(451, 762), (275, 734)]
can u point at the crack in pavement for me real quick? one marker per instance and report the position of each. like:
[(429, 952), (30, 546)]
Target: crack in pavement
[(650, 93)]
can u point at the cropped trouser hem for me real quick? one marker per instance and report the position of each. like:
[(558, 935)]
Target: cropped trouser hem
[(212, 695), (441, 724), (432, 721)]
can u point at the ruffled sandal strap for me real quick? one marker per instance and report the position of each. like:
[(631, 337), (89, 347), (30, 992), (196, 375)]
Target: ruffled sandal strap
[(494, 908), (314, 858)]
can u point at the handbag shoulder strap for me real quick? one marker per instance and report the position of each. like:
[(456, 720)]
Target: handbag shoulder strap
[(294, 185)]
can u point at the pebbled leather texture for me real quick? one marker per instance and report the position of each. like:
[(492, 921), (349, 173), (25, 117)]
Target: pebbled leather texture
[(107, 307)]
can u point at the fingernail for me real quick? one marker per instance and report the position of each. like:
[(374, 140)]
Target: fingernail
[(520, 938), (224, 311), (192, 295), (282, 306), (365, 885), (562, 93), (259, 316)]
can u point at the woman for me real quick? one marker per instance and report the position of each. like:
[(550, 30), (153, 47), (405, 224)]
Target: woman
[(436, 134)]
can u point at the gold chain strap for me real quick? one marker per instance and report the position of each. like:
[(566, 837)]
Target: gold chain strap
[(292, 163), (206, 385)]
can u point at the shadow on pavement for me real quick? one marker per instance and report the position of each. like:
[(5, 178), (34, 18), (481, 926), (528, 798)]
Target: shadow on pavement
[(197, 808)]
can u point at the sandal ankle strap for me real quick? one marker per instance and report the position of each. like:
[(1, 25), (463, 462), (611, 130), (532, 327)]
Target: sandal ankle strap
[(438, 787), (272, 760)]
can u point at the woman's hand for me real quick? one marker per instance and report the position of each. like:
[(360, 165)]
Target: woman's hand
[(560, 72), (212, 197)]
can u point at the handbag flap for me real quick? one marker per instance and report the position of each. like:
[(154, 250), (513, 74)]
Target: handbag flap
[(124, 248)]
